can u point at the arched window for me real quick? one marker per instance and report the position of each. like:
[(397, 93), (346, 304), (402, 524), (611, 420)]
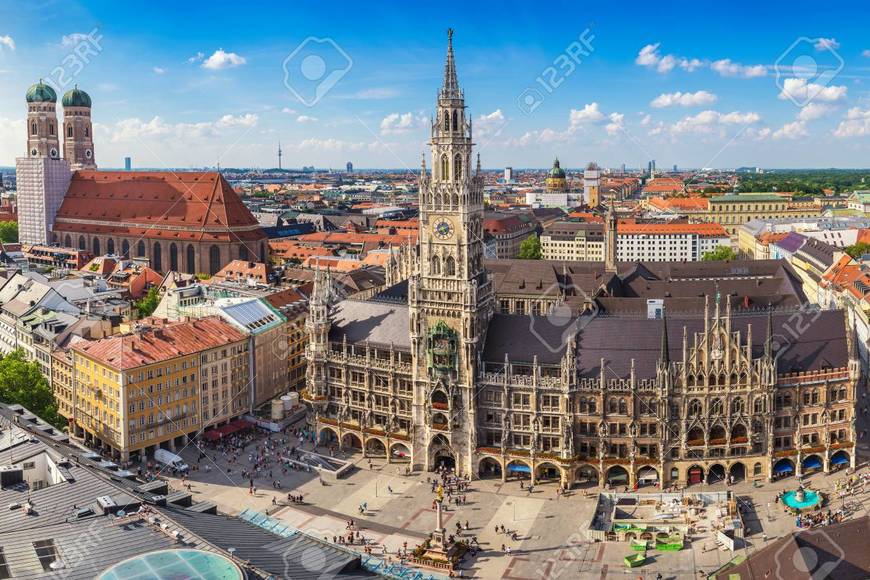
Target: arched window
[(67, 241), (69, 130), (51, 128), (445, 167), (455, 200), (87, 132), (446, 120), (457, 167), (214, 260), (716, 407), (33, 130), (450, 268), (173, 257), (694, 408), (623, 407), (737, 406), (191, 259), (125, 249), (110, 246), (157, 257), (140, 249), (436, 265), (243, 252), (455, 123), (82, 245), (612, 406), (97, 247)]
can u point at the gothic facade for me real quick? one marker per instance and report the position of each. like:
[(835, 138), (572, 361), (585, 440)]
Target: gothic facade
[(562, 371)]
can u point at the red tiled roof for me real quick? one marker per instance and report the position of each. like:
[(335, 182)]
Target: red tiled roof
[(162, 204), (681, 203), (706, 230), (167, 341)]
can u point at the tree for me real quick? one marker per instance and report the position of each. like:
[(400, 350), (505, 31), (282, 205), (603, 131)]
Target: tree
[(721, 253), (22, 382), (530, 248), (9, 232), (148, 303), (858, 250)]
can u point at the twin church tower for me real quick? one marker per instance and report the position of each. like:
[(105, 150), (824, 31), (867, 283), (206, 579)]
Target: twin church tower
[(43, 176)]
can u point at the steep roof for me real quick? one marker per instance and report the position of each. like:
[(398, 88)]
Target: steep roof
[(156, 204)]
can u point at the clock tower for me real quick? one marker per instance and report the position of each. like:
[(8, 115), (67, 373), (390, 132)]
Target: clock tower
[(450, 295)]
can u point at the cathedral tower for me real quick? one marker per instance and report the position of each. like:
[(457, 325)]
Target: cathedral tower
[(42, 176), (78, 141), (450, 296)]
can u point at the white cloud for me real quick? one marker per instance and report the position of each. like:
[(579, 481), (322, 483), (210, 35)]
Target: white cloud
[(7, 41), (134, 129), (826, 44), (793, 130), (646, 120), (650, 57), (814, 111), (222, 59), (865, 53), (288, 111), (695, 99), (246, 120), (490, 125), (374, 94), (615, 126), (397, 123), (856, 124), (196, 58), (799, 90), (71, 40), (159, 70), (590, 113), (712, 121), (306, 119), (727, 68)]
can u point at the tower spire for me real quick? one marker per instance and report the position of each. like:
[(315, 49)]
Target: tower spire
[(665, 357), (450, 89)]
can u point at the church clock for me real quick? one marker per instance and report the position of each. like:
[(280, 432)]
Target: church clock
[(443, 229)]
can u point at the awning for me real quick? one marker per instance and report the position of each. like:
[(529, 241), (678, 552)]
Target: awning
[(649, 476), (839, 460), (519, 468), (783, 467), (812, 463)]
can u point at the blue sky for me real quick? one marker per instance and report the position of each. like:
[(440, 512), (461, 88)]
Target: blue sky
[(695, 84)]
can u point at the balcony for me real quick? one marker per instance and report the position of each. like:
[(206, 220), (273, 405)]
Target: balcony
[(695, 443), (440, 406), (440, 426)]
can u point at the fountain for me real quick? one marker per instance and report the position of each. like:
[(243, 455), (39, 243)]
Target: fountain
[(801, 499)]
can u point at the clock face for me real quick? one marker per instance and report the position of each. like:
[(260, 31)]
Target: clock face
[(443, 229)]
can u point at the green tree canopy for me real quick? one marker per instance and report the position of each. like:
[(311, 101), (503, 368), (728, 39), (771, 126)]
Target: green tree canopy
[(858, 250), (530, 248), (148, 303), (720, 254), (21, 382), (9, 232)]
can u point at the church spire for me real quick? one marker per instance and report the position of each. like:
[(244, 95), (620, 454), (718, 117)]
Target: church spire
[(665, 357), (450, 89)]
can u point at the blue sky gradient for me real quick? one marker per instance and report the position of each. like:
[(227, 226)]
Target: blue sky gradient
[(695, 84)]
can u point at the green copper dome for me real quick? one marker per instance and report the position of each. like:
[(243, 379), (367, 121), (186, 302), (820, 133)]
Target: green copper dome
[(557, 171), (41, 93), (76, 97)]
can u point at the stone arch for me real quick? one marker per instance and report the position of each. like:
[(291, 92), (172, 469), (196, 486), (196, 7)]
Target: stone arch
[(140, 249), (327, 436), (647, 475), (489, 467), (157, 257), (450, 266), (695, 437), (547, 472), (616, 475), (400, 451), (110, 247), (125, 249), (436, 265), (441, 453), (695, 474), (376, 447), (586, 476), (717, 434), (214, 260), (783, 468), (737, 472), (190, 260), (812, 463), (95, 244), (716, 473), (455, 120), (519, 468), (173, 257), (67, 241), (757, 469), (739, 433), (840, 459), (440, 400), (351, 440), (445, 167), (695, 408), (457, 167)]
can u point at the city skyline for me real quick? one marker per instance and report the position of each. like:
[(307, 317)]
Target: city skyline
[(694, 91)]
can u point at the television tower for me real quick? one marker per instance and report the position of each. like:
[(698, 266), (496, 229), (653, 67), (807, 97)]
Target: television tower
[(279, 155)]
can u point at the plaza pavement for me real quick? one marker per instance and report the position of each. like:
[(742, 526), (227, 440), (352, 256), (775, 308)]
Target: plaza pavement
[(551, 541)]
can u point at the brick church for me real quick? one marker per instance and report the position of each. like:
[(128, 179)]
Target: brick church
[(185, 221)]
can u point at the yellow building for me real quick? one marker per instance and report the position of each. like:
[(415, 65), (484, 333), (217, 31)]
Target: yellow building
[(137, 391), (731, 211), (556, 178)]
